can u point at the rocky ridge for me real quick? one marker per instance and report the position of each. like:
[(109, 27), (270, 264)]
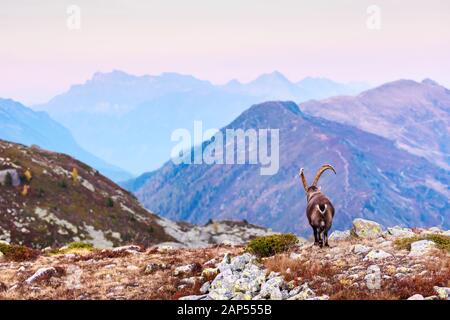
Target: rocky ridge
[(369, 263), (51, 199)]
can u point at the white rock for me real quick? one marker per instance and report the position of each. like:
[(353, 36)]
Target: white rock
[(194, 297), (184, 269), (339, 235), (40, 274), (416, 297), (360, 249), (421, 247), (367, 229), (205, 287), (373, 277), (442, 292), (399, 232), (377, 254)]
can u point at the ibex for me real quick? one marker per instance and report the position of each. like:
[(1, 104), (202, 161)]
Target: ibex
[(319, 210)]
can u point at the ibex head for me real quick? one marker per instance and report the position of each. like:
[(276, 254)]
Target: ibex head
[(313, 189)]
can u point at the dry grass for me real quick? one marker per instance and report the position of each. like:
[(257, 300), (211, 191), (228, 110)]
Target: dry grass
[(325, 277), (111, 275)]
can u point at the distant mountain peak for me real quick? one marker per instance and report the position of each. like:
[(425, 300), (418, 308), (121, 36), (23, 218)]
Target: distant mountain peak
[(273, 76), (430, 82), (282, 105)]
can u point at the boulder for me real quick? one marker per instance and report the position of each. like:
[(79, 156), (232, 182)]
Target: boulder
[(339, 235), (399, 232), (421, 247), (366, 229)]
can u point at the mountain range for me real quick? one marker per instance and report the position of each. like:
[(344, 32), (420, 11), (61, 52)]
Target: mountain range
[(377, 176), (132, 117), (67, 200), (414, 115), (23, 125)]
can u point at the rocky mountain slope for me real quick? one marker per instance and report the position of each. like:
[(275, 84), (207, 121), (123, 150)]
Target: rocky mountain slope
[(414, 115), (51, 199), (375, 179), (22, 125), (136, 115), (365, 262)]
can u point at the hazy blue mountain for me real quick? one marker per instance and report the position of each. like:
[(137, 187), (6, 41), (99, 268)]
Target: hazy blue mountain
[(128, 120), (275, 86), (375, 179), (416, 115), (23, 125)]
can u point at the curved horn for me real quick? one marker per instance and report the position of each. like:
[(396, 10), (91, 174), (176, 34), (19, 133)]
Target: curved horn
[(305, 183), (322, 169)]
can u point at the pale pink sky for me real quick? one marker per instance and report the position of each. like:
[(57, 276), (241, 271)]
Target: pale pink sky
[(219, 40)]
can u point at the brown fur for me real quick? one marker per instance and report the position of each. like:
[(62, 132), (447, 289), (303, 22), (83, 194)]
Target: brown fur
[(320, 210)]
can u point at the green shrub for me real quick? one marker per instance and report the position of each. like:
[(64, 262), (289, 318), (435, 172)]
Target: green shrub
[(18, 253), (442, 241), (8, 180), (63, 184), (269, 245), (80, 245), (76, 246), (109, 203)]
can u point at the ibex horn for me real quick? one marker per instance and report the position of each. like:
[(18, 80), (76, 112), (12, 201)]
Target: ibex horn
[(305, 183), (322, 169)]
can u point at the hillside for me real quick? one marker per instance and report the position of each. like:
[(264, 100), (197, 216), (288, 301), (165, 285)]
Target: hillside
[(416, 116), (391, 264), (22, 125), (374, 179), (58, 208), (136, 115)]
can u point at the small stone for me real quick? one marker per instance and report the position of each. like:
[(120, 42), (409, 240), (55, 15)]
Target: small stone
[(305, 294), (416, 297), (208, 272), (184, 269), (238, 263), (128, 248), (40, 274), (193, 297), (153, 267), (377, 254), (220, 294), (339, 235), (442, 292), (132, 267), (373, 277), (295, 256), (360, 249), (205, 287)]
